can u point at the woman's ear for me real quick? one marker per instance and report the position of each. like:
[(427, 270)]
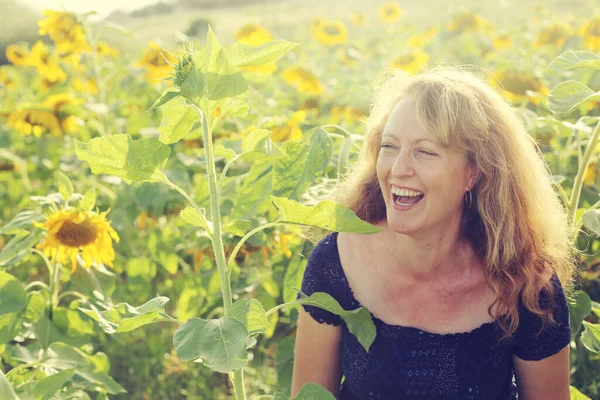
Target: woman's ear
[(473, 176)]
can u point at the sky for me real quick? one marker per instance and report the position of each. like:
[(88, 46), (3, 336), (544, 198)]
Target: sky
[(102, 7)]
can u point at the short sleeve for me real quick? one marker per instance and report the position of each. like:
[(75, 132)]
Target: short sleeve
[(322, 275), (553, 338)]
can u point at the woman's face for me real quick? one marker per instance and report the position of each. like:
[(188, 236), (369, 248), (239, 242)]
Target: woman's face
[(423, 182)]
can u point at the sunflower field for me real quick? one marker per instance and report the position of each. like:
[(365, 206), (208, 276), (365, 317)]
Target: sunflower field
[(158, 203)]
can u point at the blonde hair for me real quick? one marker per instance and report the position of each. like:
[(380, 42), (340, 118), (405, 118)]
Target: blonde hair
[(516, 224)]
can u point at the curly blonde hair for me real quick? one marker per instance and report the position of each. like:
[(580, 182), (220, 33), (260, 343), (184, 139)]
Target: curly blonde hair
[(517, 223)]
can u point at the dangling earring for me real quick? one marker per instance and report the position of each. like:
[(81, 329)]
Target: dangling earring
[(469, 202)]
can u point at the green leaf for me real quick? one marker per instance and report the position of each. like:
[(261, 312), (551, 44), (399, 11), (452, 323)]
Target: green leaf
[(284, 363), (18, 247), (567, 96), (177, 121), (47, 387), (6, 390), (575, 59), (312, 391), (164, 98), (591, 220), (252, 198), (220, 343), (577, 395), (140, 267), (61, 356), (307, 160), (21, 223), (293, 276), (238, 227), (222, 151), (579, 308), (250, 313), (194, 86), (590, 337), (126, 158), (359, 321), (223, 79), (243, 55), (89, 200), (326, 215), (12, 294), (260, 147), (195, 218), (123, 317), (65, 186)]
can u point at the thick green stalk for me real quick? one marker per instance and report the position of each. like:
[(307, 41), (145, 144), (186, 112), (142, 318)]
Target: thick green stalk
[(578, 184), (238, 377)]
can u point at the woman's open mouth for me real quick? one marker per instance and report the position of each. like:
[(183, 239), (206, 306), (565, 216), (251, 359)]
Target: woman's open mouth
[(406, 198)]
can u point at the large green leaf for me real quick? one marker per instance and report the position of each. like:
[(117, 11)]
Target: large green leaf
[(165, 97), (18, 247), (47, 387), (62, 357), (123, 317), (243, 55), (220, 343), (312, 391), (579, 308), (359, 321), (327, 215), (591, 220), (307, 160), (575, 59), (567, 96), (12, 294), (250, 313), (252, 198), (6, 390), (591, 337), (21, 223), (177, 121), (126, 158)]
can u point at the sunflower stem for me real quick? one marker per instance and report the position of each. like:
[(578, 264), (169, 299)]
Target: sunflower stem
[(578, 184), (39, 284), (237, 377), (72, 293), (246, 237)]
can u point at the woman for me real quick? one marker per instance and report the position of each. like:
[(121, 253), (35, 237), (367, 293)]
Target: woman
[(463, 280)]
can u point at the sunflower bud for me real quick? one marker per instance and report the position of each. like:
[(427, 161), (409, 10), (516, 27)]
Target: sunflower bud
[(185, 65)]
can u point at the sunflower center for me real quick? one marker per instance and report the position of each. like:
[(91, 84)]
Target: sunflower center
[(331, 30), (405, 59), (75, 235), (390, 12)]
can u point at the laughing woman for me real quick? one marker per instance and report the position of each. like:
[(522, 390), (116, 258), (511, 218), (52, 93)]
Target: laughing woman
[(465, 281)]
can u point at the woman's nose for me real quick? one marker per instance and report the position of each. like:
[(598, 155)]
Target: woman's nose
[(403, 165)]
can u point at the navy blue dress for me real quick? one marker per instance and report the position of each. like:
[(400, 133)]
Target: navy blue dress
[(408, 363)]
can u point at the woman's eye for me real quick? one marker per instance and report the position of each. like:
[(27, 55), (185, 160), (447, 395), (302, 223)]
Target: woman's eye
[(427, 153), (386, 146)]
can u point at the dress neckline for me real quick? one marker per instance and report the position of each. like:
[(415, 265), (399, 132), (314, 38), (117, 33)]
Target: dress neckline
[(397, 328)]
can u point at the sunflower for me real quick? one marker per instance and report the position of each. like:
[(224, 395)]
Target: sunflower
[(253, 35), (85, 85), (346, 114), (7, 78), (36, 120), (155, 61), (64, 106), (590, 33), (467, 21), (554, 34), (46, 63), (390, 12), (103, 49), (411, 63), (18, 55), (331, 33), (501, 41), (65, 31), (304, 81), (519, 86), (72, 230), (291, 130), (358, 18)]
